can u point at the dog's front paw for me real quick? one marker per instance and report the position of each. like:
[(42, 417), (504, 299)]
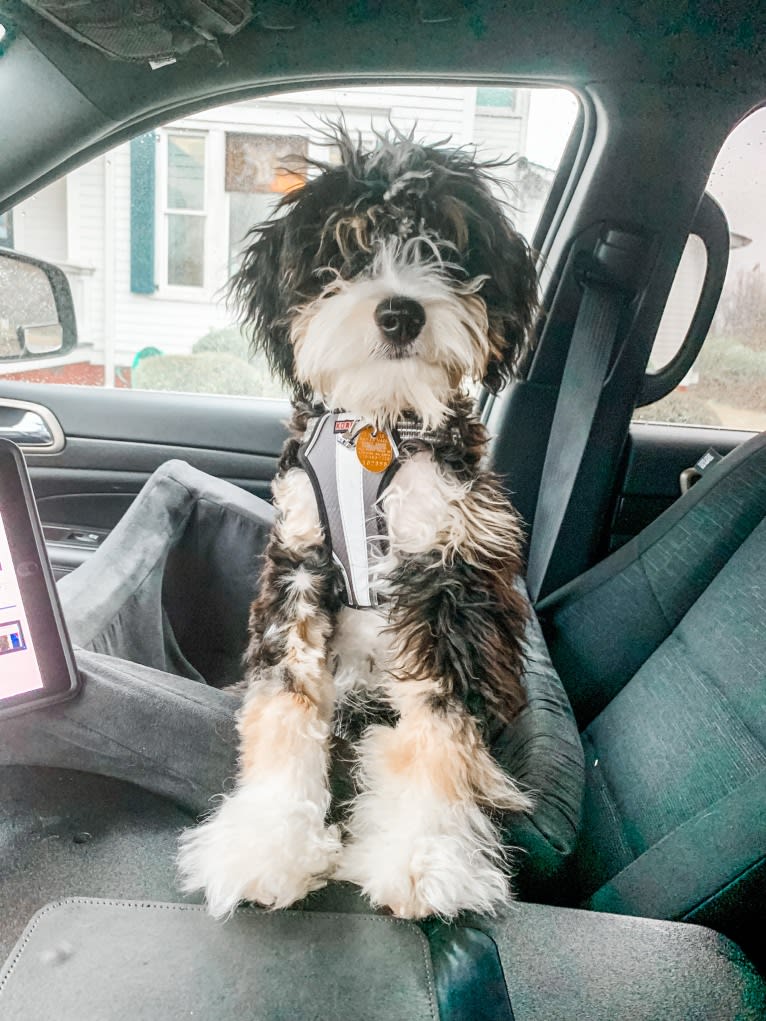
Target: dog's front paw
[(417, 869), (254, 849)]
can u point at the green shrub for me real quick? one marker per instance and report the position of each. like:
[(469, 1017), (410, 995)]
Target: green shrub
[(206, 373), (724, 361), (681, 407), (229, 340), (741, 311)]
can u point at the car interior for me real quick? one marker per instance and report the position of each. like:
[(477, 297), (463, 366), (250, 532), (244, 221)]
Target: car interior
[(641, 873)]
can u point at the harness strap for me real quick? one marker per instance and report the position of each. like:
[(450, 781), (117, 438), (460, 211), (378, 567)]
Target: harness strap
[(347, 494)]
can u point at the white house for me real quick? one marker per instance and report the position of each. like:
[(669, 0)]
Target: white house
[(149, 233)]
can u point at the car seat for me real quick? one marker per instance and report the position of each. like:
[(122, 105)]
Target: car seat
[(662, 650)]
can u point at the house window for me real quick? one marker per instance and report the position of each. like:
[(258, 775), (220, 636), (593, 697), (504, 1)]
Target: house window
[(260, 169), (185, 210), (503, 99), (6, 229)]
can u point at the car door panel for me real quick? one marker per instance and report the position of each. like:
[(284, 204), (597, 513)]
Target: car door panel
[(654, 458), (78, 501), (253, 471), (250, 425), (115, 439)]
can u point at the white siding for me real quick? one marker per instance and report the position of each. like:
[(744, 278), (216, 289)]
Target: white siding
[(174, 323), (83, 222), (87, 241), (40, 223), (64, 224), (149, 320)]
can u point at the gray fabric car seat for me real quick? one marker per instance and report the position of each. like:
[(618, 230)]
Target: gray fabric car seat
[(662, 649), (159, 618)]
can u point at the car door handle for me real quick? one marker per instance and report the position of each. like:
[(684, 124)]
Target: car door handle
[(33, 427)]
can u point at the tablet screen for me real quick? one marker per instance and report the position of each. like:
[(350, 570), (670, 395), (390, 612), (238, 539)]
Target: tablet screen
[(37, 667), (19, 667)]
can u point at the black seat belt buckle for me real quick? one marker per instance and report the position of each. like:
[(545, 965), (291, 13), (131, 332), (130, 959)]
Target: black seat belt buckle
[(614, 262), (690, 476)]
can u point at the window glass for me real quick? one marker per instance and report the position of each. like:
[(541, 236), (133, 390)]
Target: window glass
[(186, 250), (681, 304), (727, 385), (186, 172), (149, 234), (184, 226), (259, 170), (6, 229)]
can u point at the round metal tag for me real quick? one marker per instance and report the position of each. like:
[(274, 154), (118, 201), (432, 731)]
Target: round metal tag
[(374, 450)]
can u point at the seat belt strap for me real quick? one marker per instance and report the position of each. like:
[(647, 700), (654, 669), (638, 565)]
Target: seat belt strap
[(585, 371)]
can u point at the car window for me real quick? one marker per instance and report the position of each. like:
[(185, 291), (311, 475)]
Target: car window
[(727, 384), (149, 233)]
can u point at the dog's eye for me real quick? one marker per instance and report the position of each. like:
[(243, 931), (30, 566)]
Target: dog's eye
[(354, 265)]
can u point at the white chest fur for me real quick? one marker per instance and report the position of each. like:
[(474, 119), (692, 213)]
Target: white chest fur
[(419, 510), (423, 510)]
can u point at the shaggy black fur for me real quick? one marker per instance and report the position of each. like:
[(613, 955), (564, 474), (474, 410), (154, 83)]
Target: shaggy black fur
[(272, 614), (457, 624), (401, 188), (461, 627)]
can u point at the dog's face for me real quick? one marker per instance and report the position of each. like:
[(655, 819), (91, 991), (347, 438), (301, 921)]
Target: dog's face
[(385, 281)]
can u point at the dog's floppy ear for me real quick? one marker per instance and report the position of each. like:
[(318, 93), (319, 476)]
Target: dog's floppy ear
[(260, 291), (510, 291), (511, 294)]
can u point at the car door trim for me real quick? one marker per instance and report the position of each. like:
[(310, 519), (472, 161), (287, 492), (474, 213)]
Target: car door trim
[(44, 437)]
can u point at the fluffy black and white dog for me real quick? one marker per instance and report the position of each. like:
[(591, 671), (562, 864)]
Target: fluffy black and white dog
[(377, 291)]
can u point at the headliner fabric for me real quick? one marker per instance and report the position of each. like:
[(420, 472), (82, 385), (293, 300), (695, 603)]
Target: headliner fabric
[(162, 608)]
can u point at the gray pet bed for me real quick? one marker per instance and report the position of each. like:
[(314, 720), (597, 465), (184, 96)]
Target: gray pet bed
[(158, 617)]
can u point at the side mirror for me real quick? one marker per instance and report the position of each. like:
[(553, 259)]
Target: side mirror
[(36, 310)]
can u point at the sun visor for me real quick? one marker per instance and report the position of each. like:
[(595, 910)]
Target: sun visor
[(146, 31)]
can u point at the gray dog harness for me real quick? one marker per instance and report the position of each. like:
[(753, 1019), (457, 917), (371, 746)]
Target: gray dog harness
[(347, 494)]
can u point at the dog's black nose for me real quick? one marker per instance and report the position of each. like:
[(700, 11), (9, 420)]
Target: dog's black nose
[(400, 319)]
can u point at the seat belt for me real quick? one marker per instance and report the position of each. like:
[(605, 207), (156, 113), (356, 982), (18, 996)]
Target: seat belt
[(605, 297)]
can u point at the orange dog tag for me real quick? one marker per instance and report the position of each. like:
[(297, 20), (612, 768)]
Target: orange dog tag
[(374, 449)]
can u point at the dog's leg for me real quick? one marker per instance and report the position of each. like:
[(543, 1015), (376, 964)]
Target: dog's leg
[(268, 841), (420, 842)]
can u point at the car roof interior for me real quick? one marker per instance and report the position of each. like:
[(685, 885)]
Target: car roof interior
[(630, 51), (661, 84), (657, 101)]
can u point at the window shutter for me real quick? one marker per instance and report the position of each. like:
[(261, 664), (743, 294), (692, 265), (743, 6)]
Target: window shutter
[(143, 160)]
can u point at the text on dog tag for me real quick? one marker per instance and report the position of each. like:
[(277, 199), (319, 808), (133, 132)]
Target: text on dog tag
[(374, 450)]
